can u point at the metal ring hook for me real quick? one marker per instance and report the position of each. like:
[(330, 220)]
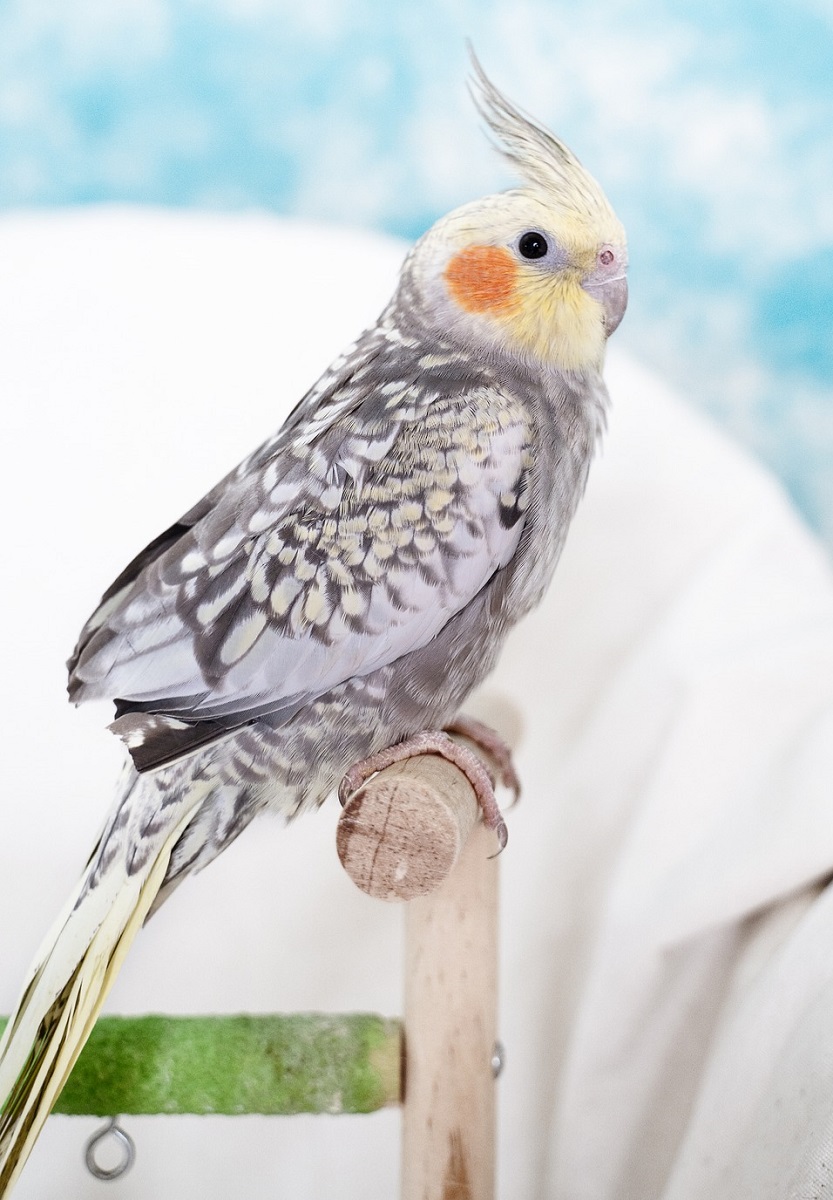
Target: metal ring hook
[(126, 1143)]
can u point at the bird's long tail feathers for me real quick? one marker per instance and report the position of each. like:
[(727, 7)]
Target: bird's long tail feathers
[(79, 961)]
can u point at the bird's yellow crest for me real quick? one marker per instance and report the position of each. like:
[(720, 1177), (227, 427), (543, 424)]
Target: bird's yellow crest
[(546, 164)]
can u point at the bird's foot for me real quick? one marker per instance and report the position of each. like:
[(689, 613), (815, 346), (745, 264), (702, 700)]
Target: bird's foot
[(497, 749), (437, 741)]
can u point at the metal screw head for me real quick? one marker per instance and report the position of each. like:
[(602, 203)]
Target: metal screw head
[(498, 1059)]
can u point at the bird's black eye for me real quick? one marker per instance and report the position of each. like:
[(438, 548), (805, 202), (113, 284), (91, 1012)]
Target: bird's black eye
[(533, 244)]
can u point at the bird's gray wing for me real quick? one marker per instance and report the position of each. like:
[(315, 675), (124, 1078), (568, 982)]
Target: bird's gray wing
[(342, 388), (351, 542)]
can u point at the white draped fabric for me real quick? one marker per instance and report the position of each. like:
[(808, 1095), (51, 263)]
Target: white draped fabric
[(667, 973)]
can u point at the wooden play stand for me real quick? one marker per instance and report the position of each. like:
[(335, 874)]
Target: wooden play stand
[(410, 833)]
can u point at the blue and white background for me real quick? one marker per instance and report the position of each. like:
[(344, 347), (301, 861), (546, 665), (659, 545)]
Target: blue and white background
[(710, 125), (675, 688)]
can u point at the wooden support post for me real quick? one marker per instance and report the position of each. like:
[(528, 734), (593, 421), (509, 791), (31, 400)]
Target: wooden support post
[(450, 1032), (411, 833)]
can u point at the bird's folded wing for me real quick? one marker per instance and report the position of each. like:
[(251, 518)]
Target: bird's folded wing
[(337, 551)]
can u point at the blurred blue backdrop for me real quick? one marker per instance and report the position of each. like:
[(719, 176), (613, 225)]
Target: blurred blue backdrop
[(710, 125)]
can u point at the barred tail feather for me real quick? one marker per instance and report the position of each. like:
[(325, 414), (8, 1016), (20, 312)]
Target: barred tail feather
[(73, 973)]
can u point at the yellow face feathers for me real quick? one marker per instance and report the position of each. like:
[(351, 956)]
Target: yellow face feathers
[(558, 322), (538, 271), (551, 319)]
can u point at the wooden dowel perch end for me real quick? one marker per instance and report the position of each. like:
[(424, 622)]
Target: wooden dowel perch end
[(401, 833)]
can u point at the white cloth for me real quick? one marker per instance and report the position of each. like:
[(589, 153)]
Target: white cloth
[(667, 979)]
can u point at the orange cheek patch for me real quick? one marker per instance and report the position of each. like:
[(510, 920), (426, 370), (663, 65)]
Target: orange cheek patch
[(482, 278)]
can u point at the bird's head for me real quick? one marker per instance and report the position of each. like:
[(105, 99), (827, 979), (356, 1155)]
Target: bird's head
[(538, 272)]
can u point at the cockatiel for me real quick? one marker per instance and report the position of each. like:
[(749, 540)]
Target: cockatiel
[(343, 589)]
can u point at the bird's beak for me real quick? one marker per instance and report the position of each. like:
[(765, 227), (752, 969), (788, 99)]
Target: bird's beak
[(612, 294)]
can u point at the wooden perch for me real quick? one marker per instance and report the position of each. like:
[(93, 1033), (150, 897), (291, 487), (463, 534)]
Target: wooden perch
[(401, 833)]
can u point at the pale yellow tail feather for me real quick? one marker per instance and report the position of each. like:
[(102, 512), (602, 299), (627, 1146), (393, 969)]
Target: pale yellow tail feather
[(64, 997)]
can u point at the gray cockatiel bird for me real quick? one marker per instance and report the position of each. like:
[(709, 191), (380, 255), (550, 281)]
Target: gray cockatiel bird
[(345, 588)]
